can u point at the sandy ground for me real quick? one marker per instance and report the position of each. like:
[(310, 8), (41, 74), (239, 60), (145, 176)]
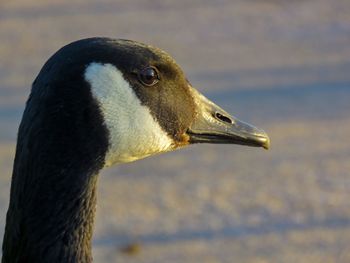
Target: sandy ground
[(282, 65)]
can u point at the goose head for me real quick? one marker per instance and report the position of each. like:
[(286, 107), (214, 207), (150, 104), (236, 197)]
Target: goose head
[(147, 104)]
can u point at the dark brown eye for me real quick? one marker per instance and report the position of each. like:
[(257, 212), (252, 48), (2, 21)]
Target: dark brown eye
[(149, 76)]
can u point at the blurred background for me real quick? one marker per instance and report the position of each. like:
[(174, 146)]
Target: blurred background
[(282, 65)]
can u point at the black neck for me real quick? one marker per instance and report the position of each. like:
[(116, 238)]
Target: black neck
[(51, 225), (60, 150)]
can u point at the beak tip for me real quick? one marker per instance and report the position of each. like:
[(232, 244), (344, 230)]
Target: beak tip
[(266, 146), (266, 142)]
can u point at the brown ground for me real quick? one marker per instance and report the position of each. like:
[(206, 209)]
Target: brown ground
[(282, 65)]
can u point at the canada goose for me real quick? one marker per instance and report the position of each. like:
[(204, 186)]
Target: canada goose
[(95, 103)]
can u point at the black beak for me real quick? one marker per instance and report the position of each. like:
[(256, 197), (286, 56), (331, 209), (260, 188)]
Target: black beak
[(213, 125)]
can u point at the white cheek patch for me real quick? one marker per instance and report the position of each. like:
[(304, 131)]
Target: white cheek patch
[(133, 132)]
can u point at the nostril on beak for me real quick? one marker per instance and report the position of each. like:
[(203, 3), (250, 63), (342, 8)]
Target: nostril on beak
[(223, 118)]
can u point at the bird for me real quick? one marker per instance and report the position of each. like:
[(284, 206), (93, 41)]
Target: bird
[(95, 103)]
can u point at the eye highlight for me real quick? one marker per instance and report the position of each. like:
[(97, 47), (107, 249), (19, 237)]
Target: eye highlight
[(148, 76)]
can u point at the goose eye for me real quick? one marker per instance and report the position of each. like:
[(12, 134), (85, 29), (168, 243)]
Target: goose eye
[(149, 76)]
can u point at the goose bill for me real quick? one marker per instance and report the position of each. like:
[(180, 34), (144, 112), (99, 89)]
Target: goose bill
[(214, 125)]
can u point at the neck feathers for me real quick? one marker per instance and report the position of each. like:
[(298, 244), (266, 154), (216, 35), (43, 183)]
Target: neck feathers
[(61, 147), (61, 233)]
